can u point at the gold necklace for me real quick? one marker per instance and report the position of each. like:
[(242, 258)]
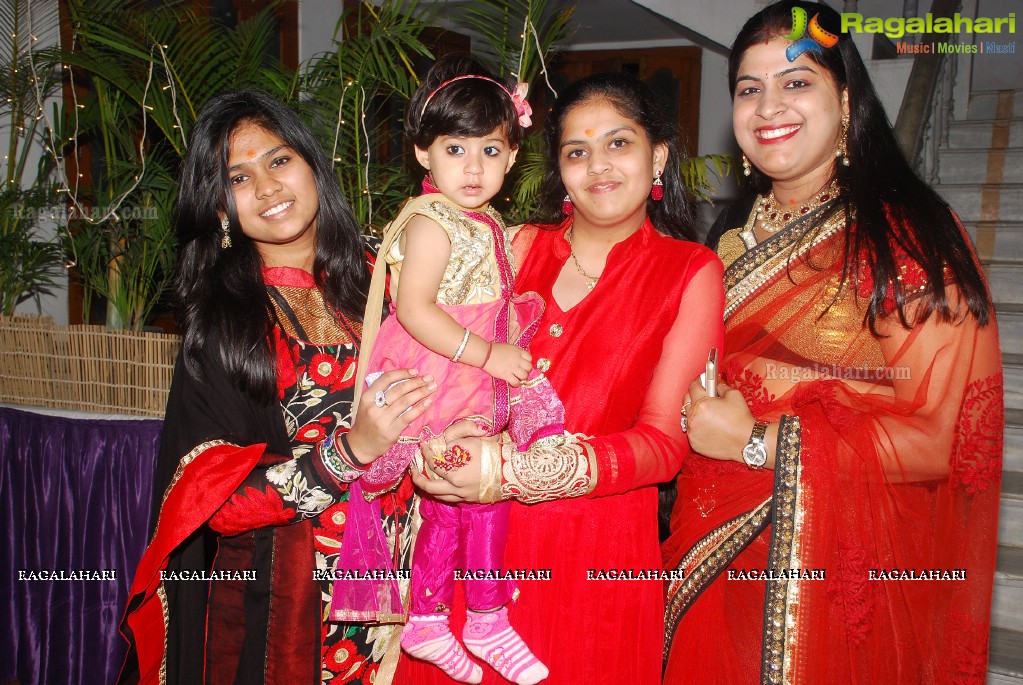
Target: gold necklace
[(591, 281), (773, 217)]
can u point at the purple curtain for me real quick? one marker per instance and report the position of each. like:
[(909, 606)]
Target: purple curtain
[(75, 494)]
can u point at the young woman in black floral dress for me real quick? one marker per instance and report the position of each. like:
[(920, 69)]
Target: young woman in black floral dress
[(259, 441)]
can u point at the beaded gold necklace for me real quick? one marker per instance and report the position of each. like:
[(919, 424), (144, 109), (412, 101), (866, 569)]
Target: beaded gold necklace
[(773, 217)]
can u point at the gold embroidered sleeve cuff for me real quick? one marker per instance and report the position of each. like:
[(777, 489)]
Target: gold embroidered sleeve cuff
[(494, 454), (557, 467)]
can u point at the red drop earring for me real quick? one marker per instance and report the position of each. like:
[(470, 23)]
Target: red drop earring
[(657, 189), (566, 206)]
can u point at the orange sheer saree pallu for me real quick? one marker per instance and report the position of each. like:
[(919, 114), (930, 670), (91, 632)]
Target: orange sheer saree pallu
[(868, 554)]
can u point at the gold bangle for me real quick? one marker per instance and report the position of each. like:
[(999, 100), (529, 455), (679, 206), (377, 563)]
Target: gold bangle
[(461, 348), (490, 470)]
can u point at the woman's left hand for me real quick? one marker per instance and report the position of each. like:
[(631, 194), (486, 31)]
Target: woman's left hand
[(460, 484), (406, 395), (718, 427)]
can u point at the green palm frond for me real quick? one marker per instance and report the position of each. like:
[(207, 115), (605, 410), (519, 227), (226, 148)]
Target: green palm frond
[(696, 173), (148, 75), (186, 59), (349, 92), (29, 263), (519, 40), (521, 203), (512, 30), (29, 75)]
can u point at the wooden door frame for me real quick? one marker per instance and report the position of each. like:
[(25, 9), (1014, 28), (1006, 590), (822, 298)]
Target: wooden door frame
[(683, 61)]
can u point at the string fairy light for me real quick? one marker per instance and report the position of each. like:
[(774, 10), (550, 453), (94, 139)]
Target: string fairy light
[(173, 94), (529, 28), (60, 161), (69, 184), (53, 148), (365, 132), (339, 124)]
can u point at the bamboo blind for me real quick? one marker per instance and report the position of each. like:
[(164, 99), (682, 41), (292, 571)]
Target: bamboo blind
[(85, 368)]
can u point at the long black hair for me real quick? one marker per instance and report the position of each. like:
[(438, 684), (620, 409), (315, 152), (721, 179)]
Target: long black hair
[(224, 305), (471, 107), (633, 99), (887, 206)]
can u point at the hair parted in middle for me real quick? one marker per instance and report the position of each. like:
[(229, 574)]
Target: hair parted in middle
[(471, 107), (892, 206), (222, 299), (673, 215)]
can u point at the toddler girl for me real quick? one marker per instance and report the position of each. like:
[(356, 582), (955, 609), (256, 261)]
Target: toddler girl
[(455, 317)]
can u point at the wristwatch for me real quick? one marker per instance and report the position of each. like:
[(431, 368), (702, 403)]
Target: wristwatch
[(755, 451)]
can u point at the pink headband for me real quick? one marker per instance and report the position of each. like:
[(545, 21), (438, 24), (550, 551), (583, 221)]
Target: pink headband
[(518, 97)]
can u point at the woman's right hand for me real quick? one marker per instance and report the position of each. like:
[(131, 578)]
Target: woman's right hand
[(457, 485), (509, 363), (375, 428)]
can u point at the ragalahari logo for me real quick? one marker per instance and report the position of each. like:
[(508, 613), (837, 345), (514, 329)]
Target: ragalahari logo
[(818, 38)]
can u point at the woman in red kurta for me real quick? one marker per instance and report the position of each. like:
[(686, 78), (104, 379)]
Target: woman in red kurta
[(630, 312)]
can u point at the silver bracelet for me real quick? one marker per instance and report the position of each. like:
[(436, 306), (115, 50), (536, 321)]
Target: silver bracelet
[(461, 348)]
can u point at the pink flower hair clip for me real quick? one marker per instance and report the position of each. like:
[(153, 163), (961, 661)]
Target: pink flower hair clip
[(522, 107)]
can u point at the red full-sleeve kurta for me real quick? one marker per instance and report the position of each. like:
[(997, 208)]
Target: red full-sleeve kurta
[(621, 361)]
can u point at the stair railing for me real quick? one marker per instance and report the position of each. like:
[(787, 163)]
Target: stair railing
[(926, 111)]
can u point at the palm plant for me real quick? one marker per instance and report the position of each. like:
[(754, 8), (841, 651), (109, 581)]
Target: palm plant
[(519, 39), (149, 73), (696, 173), (350, 93), (29, 263)]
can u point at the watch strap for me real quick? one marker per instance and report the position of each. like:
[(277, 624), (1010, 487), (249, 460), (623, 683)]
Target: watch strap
[(754, 454), (759, 431)]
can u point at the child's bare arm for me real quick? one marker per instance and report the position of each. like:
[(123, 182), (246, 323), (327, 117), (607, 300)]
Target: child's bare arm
[(427, 251)]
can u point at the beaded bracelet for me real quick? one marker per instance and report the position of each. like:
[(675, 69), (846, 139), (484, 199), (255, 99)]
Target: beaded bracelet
[(461, 348)]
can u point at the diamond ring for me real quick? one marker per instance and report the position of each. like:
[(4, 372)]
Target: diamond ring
[(380, 399)]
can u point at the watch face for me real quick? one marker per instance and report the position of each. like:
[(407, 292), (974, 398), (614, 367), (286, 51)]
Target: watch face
[(755, 455)]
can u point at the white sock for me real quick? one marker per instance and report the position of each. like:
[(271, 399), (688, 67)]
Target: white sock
[(490, 636), (428, 637)]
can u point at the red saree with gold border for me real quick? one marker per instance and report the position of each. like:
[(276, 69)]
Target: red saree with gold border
[(867, 555)]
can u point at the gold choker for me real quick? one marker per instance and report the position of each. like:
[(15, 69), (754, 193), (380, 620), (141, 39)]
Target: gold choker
[(773, 217)]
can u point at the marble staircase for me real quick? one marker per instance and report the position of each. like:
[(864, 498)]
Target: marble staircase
[(981, 175)]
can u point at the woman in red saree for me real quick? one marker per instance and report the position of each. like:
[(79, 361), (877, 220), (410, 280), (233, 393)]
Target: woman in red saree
[(630, 311), (838, 524)]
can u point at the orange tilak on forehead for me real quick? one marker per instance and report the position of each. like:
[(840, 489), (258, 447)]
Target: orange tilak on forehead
[(250, 154), (590, 133)]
